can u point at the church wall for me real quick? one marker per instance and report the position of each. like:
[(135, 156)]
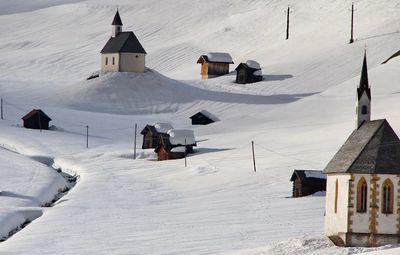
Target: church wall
[(132, 62), (110, 66), (387, 223), (336, 223), (360, 220)]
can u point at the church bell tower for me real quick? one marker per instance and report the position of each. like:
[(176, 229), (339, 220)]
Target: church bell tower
[(363, 107), (116, 25)]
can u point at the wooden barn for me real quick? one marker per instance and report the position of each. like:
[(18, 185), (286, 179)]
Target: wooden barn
[(248, 72), (152, 133), (36, 119), (214, 64), (203, 118), (307, 182), (173, 146)]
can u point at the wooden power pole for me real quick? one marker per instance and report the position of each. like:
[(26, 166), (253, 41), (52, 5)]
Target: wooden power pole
[(287, 22), (87, 136), (134, 146), (352, 24), (2, 109), (254, 156)]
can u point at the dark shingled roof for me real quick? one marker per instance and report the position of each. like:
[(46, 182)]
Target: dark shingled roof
[(117, 20), (374, 148), (308, 175), (35, 112), (123, 42), (364, 84)]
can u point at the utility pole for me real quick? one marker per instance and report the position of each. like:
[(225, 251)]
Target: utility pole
[(1, 108), (134, 148), (87, 136), (287, 22), (352, 24), (185, 154), (254, 157)]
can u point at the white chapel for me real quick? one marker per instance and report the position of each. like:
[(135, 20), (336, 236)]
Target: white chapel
[(123, 51), (363, 181)]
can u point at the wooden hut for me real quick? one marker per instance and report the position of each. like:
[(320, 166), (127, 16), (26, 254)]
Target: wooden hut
[(248, 72), (152, 133), (175, 145), (36, 119), (214, 64), (203, 118), (307, 182)]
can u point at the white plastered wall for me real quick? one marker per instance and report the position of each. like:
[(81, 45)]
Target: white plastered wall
[(336, 223), (387, 223), (364, 100), (132, 62), (361, 219), (110, 66)]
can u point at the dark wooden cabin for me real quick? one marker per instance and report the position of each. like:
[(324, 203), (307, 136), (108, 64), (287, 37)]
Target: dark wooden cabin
[(203, 118), (36, 119), (214, 64), (307, 182), (169, 148), (248, 73), (152, 133)]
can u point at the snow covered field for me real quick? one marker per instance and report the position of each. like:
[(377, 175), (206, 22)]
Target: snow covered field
[(298, 117)]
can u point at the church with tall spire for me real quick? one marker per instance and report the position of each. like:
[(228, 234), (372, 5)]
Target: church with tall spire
[(362, 205), (123, 52)]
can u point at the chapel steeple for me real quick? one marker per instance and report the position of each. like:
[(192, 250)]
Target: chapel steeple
[(363, 106), (116, 25)]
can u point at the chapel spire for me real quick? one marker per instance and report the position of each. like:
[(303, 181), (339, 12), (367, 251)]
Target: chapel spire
[(363, 106), (116, 24)]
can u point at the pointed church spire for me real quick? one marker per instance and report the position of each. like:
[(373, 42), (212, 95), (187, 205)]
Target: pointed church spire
[(116, 25), (363, 107), (364, 84), (117, 20)]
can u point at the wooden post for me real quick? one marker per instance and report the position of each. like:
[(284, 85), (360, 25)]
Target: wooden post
[(40, 123), (254, 157), (2, 109), (287, 22), (134, 148), (352, 24), (87, 136), (185, 154)]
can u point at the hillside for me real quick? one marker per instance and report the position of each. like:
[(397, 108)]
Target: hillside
[(298, 117)]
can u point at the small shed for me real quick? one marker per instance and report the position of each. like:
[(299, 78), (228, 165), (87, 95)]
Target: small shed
[(152, 133), (36, 119), (173, 146), (307, 182), (214, 64), (248, 72), (203, 118)]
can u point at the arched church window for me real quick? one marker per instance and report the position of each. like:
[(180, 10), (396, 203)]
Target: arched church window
[(387, 196), (336, 194), (113, 62), (106, 60), (364, 110), (362, 195)]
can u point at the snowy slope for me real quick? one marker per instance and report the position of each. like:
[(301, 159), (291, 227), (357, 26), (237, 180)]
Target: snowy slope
[(298, 117)]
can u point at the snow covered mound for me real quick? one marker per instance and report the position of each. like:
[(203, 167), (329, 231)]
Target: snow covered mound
[(253, 64)]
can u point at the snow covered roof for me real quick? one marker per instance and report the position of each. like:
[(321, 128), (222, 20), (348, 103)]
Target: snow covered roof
[(253, 64), (208, 115), (179, 149), (162, 127), (306, 174), (178, 136), (216, 57)]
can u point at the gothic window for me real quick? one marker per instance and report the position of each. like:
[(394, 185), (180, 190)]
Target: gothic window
[(113, 61), (364, 110), (387, 196), (106, 60), (336, 194), (362, 195)]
